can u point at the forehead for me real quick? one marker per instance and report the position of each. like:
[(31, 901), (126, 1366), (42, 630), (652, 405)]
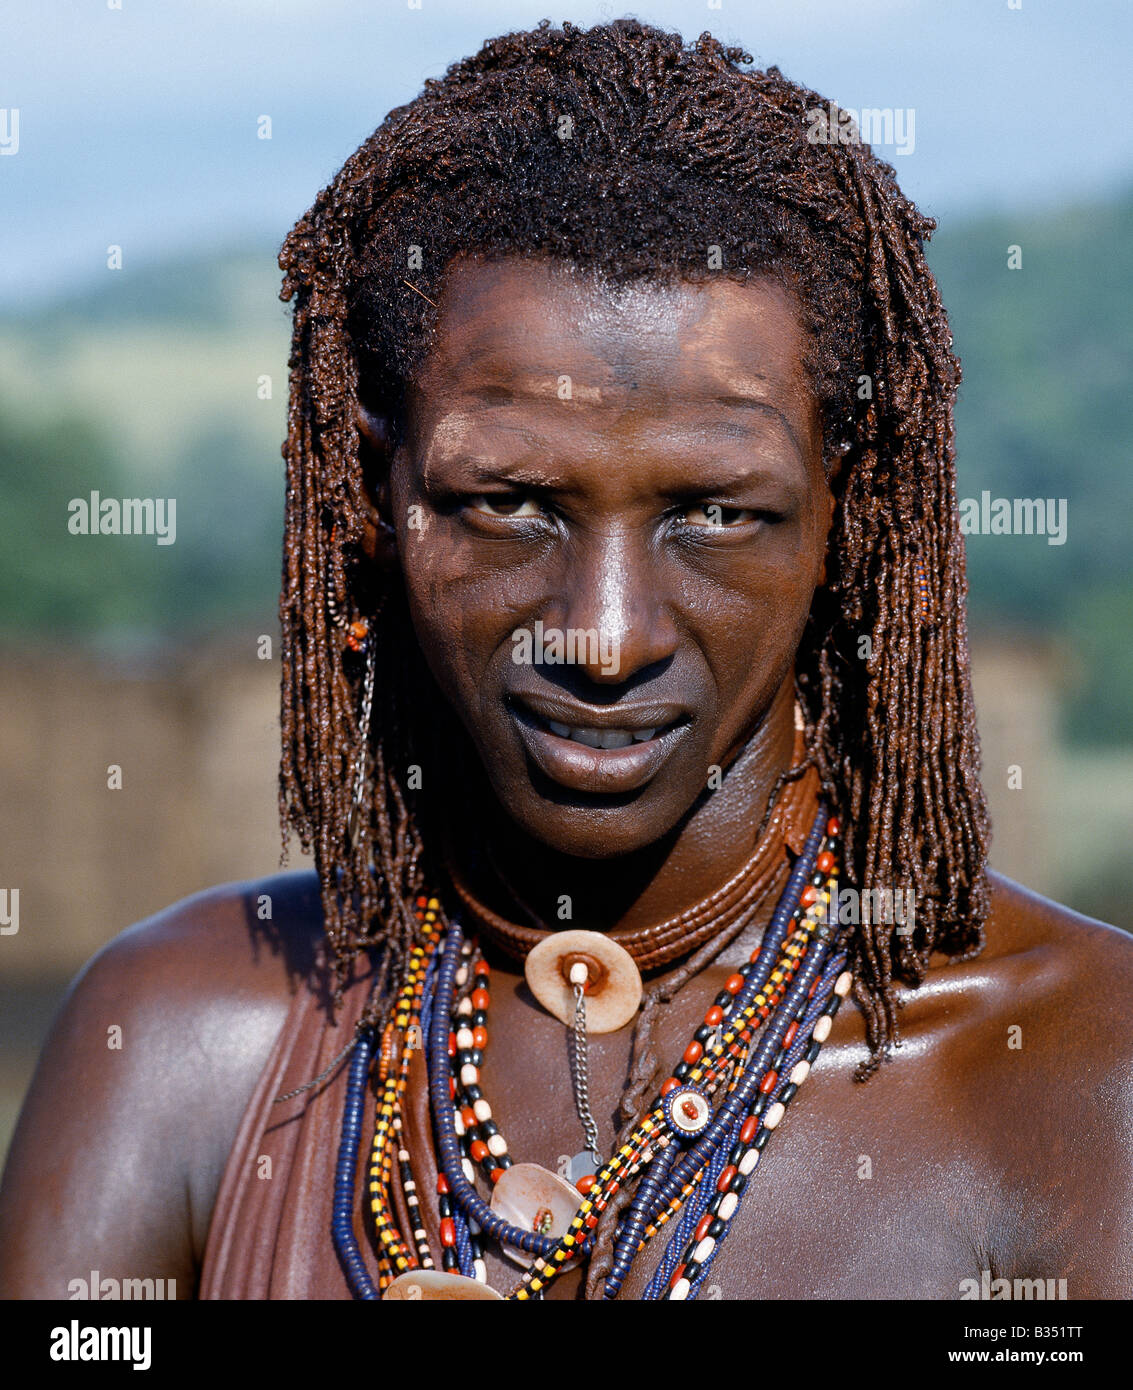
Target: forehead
[(516, 328)]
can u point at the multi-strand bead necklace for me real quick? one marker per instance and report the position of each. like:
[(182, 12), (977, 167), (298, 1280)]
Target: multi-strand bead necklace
[(694, 1149)]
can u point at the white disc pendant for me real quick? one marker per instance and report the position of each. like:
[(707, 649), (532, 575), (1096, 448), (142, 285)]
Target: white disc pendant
[(534, 1199), (421, 1284), (613, 983)]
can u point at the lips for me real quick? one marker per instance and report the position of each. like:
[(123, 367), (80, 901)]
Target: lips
[(598, 749)]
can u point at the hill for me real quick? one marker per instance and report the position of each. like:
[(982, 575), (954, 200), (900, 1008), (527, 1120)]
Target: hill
[(170, 380)]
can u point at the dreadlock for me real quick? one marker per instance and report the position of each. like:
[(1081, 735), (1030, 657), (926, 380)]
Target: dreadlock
[(626, 153)]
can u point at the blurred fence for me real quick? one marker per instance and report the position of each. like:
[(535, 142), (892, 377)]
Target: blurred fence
[(196, 736)]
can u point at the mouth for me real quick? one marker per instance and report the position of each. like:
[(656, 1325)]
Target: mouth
[(602, 738), (595, 749)]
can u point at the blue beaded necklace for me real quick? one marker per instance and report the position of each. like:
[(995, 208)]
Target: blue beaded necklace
[(702, 1177)]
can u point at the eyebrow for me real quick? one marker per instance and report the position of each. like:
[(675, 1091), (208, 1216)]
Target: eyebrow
[(751, 403), (536, 479), (534, 388), (491, 470), (539, 389), (494, 472)]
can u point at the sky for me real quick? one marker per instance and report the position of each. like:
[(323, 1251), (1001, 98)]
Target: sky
[(138, 119)]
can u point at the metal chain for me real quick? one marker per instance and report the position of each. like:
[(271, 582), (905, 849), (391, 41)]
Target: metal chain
[(580, 1070), (355, 821)]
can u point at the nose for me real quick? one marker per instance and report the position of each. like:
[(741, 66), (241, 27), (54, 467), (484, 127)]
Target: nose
[(614, 597)]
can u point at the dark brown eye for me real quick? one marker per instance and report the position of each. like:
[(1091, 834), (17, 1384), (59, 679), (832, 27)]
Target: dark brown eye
[(714, 514), (509, 504)]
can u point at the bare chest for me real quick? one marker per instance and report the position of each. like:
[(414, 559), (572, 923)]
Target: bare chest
[(864, 1191)]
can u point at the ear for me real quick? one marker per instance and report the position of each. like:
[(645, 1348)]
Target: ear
[(379, 541), (835, 471)]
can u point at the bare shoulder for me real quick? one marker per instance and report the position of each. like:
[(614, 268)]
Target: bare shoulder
[(1063, 953), (196, 995), (246, 934), (143, 1080), (1069, 975), (214, 972), (1061, 980), (1042, 1061)]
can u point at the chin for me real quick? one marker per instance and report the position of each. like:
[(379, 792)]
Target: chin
[(590, 841), (598, 828)]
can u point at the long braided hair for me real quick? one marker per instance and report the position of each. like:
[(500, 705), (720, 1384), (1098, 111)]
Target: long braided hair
[(624, 152)]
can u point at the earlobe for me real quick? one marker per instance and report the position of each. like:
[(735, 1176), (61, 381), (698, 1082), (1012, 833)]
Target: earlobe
[(831, 503), (836, 462), (373, 428), (378, 541)]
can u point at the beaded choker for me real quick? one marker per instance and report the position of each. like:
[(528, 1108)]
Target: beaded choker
[(692, 1151)]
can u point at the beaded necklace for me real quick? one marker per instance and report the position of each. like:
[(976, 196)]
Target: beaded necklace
[(695, 1162)]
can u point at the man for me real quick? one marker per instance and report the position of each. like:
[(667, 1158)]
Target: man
[(621, 545)]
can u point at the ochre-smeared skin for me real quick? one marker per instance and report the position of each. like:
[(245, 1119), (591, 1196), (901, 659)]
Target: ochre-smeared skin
[(706, 620), (982, 1156)]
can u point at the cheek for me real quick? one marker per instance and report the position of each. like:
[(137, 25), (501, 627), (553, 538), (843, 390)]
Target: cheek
[(461, 609), (445, 627), (427, 559), (755, 620), (465, 595)]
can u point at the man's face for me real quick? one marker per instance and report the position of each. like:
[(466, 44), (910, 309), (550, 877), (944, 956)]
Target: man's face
[(611, 515)]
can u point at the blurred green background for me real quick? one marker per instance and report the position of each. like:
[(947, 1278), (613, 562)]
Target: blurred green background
[(153, 385)]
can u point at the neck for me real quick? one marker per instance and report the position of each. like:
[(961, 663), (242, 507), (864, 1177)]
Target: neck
[(711, 844)]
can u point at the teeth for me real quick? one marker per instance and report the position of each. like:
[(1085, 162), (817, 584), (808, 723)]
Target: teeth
[(601, 738), (616, 738)]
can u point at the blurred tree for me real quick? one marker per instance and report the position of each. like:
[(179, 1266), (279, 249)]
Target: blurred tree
[(1044, 411), (53, 583)]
